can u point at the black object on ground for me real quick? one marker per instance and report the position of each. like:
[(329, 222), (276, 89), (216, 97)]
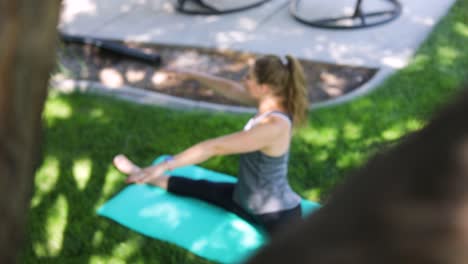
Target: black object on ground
[(207, 9), (359, 19), (153, 59)]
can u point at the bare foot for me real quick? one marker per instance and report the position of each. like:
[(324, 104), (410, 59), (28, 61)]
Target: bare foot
[(124, 165)]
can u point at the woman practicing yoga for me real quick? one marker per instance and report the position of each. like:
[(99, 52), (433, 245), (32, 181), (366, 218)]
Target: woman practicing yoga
[(262, 194)]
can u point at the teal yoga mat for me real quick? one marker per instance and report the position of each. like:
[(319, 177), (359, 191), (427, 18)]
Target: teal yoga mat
[(202, 228)]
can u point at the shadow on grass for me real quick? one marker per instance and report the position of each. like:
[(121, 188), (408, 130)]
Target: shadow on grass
[(83, 133)]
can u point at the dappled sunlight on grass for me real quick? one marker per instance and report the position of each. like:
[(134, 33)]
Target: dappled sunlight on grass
[(104, 259), (127, 249), (352, 131), (82, 172), (414, 124), (56, 223), (45, 180), (401, 128), (419, 62), (321, 156), (98, 238), (393, 133), (312, 194), (447, 55), (97, 113), (319, 136), (58, 109), (113, 180), (461, 29), (47, 175), (76, 178), (349, 159)]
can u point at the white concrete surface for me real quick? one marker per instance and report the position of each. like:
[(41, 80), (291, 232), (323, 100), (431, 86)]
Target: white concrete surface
[(269, 28), (266, 29)]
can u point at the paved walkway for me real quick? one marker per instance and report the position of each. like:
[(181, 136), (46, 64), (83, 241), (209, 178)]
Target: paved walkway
[(265, 29)]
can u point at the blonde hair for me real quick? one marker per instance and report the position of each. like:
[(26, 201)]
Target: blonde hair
[(286, 80)]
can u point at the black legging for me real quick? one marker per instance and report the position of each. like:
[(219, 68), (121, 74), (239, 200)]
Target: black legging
[(220, 194)]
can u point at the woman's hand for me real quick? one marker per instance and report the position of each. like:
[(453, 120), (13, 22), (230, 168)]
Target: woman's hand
[(147, 175)]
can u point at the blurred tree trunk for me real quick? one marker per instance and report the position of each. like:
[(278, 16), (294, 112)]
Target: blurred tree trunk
[(28, 36), (406, 205)]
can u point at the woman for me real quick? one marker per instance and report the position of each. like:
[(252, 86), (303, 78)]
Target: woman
[(262, 194)]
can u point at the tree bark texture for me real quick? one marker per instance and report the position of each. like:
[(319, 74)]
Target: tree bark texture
[(28, 37)]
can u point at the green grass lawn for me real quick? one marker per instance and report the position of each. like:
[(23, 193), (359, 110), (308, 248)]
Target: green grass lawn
[(84, 132)]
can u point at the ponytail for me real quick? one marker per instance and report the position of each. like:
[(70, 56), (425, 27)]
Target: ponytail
[(287, 80), (297, 101)]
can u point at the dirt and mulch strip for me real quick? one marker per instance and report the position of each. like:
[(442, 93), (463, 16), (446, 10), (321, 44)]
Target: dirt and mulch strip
[(88, 62)]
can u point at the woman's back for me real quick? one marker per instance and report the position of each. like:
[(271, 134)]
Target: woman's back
[(263, 185)]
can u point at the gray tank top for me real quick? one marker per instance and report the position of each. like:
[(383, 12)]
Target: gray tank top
[(262, 181)]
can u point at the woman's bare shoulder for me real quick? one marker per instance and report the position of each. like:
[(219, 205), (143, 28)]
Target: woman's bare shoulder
[(277, 120)]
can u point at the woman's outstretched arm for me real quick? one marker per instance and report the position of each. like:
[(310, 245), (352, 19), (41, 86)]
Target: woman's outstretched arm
[(228, 88), (257, 138)]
